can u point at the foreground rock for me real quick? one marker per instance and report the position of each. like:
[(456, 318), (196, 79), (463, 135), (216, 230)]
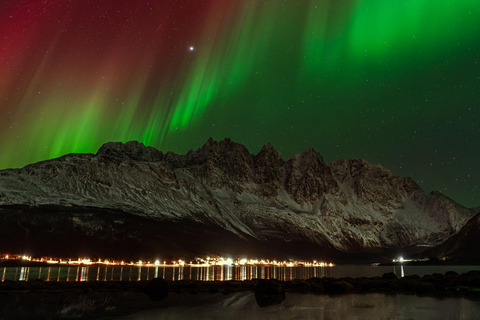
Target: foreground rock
[(269, 292), (65, 300), (450, 282), (156, 289)]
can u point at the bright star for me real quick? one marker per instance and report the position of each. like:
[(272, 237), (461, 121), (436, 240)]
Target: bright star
[(191, 48)]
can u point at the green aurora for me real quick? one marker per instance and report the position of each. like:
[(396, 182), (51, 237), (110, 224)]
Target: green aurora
[(394, 82)]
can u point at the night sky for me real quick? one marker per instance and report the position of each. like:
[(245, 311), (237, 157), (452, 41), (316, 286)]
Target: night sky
[(394, 82)]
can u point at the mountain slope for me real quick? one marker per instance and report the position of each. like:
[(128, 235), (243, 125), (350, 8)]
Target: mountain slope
[(345, 206), (462, 246)]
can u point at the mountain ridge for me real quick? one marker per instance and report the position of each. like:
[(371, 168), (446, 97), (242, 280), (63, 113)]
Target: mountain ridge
[(347, 205)]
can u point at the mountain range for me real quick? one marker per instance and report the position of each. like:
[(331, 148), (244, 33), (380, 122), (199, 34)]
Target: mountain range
[(129, 200)]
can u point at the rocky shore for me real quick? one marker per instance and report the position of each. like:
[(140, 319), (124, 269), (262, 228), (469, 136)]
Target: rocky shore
[(451, 282), (39, 299)]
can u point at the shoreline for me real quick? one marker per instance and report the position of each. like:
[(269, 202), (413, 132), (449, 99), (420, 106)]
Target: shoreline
[(38, 299), (450, 282)]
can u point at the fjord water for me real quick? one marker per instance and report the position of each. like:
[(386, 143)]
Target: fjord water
[(308, 306), (132, 305), (213, 273)]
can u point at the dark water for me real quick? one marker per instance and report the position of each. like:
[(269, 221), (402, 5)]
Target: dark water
[(242, 306), (219, 273), (307, 306), (131, 305), (100, 304)]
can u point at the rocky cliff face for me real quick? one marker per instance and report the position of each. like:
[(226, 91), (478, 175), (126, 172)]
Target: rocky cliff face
[(345, 206), (462, 246)]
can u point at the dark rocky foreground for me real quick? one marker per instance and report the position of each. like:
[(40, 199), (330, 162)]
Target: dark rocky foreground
[(58, 300), (436, 283)]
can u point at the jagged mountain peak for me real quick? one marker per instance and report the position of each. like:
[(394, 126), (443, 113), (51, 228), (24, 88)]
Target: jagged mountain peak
[(221, 151), (224, 146), (357, 167), (210, 141), (410, 186), (132, 150), (268, 148), (309, 155), (269, 155)]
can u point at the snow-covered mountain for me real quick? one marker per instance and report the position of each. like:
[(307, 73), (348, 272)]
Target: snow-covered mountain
[(462, 246), (347, 206)]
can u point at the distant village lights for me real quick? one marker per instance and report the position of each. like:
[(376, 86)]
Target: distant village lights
[(197, 262)]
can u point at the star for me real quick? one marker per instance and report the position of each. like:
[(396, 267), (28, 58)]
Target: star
[(191, 48)]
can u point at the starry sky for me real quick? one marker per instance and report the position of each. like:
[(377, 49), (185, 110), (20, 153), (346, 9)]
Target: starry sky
[(394, 82)]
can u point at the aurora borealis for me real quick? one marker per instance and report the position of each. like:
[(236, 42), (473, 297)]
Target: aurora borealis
[(393, 82)]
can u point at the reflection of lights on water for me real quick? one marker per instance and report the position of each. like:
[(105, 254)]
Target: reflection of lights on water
[(173, 273), (229, 274), (23, 274), (84, 274), (205, 269)]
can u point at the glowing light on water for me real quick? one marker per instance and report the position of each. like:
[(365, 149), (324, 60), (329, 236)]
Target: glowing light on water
[(24, 274), (196, 262), (83, 274)]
